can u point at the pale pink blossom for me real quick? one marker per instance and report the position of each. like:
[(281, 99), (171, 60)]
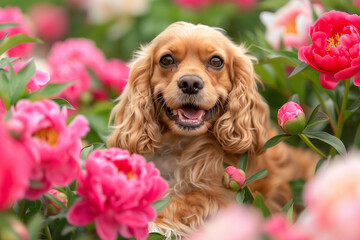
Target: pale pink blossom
[(14, 15), (332, 200), (15, 162), (115, 74), (51, 22), (279, 228), (117, 190), (70, 60), (289, 24), (37, 81), (233, 223), (55, 146)]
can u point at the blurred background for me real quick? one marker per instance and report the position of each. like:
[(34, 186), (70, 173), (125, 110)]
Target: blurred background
[(118, 27)]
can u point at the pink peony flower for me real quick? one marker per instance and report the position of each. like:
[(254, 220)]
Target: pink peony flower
[(289, 24), (335, 48), (2, 109), (117, 190), (40, 78), (15, 162), (14, 14), (69, 60), (277, 227), (332, 198), (115, 74), (291, 118), (234, 179), (56, 147), (356, 3), (233, 223), (193, 3), (51, 22), (52, 208)]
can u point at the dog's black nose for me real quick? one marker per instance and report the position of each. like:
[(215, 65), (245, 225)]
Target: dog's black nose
[(190, 84)]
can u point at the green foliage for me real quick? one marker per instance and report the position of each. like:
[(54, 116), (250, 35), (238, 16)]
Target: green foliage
[(14, 40), (161, 204), (256, 176), (260, 204), (297, 186)]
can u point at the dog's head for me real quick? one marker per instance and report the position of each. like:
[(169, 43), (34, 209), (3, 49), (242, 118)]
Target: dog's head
[(189, 80)]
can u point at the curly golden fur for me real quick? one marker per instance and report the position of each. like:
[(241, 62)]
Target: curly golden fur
[(190, 133)]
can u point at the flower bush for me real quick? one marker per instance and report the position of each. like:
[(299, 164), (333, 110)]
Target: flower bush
[(63, 63)]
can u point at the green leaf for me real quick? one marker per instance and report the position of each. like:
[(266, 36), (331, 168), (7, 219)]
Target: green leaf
[(34, 227), (260, 174), (161, 204), (260, 204), (275, 140), (354, 106), (85, 152), (287, 206), (49, 90), (294, 98), (63, 103), (155, 236), (6, 25), (243, 161), (16, 40), (301, 67), (249, 199), (316, 117), (70, 195), (319, 164), (3, 37), (17, 86), (290, 213), (329, 139), (225, 165), (357, 138), (297, 186), (5, 61), (55, 201), (240, 196)]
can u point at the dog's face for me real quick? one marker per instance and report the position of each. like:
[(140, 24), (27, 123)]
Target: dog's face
[(191, 77), (190, 80)]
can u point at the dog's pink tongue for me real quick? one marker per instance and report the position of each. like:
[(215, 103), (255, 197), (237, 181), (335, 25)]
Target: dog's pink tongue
[(191, 113)]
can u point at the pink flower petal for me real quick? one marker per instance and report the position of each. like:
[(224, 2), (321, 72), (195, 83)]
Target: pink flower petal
[(81, 214), (328, 81), (106, 227), (357, 79), (40, 79)]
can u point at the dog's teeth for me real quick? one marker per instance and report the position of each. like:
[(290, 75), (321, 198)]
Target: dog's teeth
[(175, 112)]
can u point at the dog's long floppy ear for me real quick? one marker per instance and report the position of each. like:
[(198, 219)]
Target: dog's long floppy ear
[(135, 126), (243, 126)]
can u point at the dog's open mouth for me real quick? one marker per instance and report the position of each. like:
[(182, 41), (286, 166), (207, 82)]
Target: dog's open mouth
[(190, 116)]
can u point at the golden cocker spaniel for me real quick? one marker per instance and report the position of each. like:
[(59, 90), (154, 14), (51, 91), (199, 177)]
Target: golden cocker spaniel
[(191, 104)]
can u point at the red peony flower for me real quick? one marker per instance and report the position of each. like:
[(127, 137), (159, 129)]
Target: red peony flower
[(335, 48), (117, 190)]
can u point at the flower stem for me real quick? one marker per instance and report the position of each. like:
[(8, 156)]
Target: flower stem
[(22, 208), (312, 146), (340, 122), (331, 120), (47, 232)]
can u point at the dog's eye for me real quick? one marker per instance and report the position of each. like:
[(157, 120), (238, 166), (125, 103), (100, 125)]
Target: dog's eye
[(216, 62), (167, 60)]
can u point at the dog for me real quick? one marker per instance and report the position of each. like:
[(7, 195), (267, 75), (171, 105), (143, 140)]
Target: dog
[(191, 103)]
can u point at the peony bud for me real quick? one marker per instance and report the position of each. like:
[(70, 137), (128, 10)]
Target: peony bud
[(52, 208), (291, 118), (234, 179)]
